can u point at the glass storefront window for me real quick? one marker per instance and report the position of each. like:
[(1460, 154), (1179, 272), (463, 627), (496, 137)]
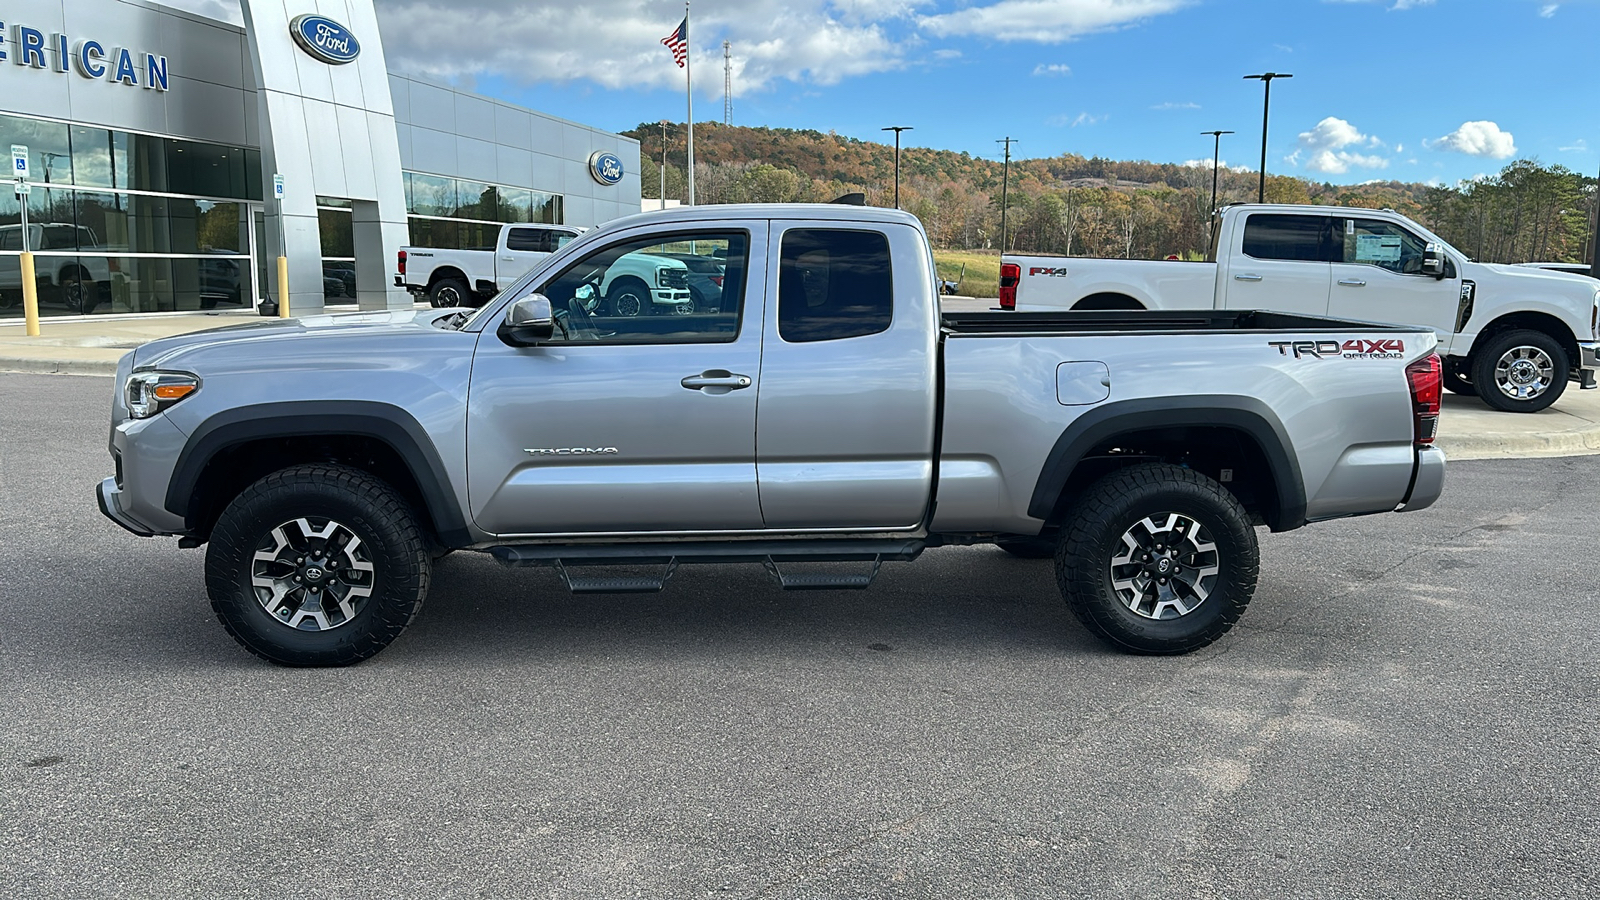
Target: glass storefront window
[(207, 169), (476, 201), (49, 147), (516, 205), (432, 195)]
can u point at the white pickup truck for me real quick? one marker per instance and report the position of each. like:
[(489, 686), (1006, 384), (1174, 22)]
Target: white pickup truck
[(638, 284), (1511, 335), (468, 277)]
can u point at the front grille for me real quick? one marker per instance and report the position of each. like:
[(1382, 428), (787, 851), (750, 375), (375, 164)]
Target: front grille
[(673, 278)]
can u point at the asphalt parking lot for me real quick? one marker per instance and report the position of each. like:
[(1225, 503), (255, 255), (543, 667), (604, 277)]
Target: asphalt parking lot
[(1408, 709)]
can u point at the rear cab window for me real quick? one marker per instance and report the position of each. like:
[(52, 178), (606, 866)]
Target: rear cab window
[(834, 284), (1289, 237)]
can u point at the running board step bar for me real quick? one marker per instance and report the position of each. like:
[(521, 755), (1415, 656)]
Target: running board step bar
[(564, 558), (823, 581)]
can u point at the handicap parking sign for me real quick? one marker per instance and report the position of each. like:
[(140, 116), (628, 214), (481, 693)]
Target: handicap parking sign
[(19, 161)]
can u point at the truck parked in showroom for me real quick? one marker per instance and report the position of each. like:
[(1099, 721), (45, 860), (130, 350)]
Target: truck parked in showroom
[(824, 412), (1511, 335)]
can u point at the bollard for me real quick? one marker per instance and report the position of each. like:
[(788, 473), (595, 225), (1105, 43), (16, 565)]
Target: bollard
[(283, 287), (30, 295)]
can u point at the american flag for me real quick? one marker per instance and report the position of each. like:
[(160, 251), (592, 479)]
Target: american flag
[(678, 42)]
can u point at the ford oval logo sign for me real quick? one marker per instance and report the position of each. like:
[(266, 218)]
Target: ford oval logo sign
[(605, 167), (325, 39)]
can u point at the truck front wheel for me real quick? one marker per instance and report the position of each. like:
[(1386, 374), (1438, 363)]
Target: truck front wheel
[(1520, 371), (317, 565), (1157, 559)]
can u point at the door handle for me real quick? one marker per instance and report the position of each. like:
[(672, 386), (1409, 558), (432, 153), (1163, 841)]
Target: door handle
[(1353, 282), (716, 381), (1247, 277)]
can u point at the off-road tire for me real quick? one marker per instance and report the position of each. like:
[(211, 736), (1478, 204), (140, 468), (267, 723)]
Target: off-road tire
[(1028, 547), (1116, 504), (1486, 360), (450, 292), (368, 507)]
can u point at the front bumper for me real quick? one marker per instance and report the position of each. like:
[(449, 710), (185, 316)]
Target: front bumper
[(1588, 363), (110, 499), (665, 297), (1428, 483)]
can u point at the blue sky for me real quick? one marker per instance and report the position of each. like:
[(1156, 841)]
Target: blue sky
[(1417, 90)]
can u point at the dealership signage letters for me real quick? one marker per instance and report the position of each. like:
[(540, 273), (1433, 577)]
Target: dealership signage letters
[(33, 48)]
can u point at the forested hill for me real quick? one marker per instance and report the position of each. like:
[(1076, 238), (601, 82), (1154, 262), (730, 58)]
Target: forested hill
[(1090, 206)]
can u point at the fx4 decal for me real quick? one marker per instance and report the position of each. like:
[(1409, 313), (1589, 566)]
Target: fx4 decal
[(1054, 273), (1354, 348)]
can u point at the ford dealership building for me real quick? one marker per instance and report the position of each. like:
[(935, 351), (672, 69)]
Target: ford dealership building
[(153, 136)]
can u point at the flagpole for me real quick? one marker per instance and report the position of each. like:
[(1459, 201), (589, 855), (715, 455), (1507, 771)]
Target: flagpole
[(688, 75)]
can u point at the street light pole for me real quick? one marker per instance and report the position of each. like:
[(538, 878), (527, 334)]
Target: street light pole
[(663, 163), (1005, 183), (1266, 106), (897, 129), (1216, 158)]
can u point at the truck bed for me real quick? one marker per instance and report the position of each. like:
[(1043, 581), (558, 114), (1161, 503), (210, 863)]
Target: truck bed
[(1167, 320)]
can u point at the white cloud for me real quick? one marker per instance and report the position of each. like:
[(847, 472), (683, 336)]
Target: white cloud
[(1171, 105), (1548, 10), (1222, 164), (1045, 21), (1578, 146), (811, 41), (1087, 119), (1052, 69), (1324, 148), (1398, 4), (1477, 139)]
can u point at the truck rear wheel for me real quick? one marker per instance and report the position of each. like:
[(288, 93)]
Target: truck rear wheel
[(449, 292), (317, 565), (1520, 371), (1157, 559)]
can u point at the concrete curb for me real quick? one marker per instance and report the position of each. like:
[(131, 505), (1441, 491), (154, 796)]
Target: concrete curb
[(1564, 443), (92, 367)]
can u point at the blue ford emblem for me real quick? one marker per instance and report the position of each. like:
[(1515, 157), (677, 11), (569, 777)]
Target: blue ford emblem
[(605, 167), (325, 39)]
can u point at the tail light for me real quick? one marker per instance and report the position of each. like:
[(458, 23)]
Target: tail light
[(1010, 274), (716, 280), (402, 262), (1426, 378)]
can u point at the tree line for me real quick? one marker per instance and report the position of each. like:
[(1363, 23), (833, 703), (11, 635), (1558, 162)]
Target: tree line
[(1091, 206)]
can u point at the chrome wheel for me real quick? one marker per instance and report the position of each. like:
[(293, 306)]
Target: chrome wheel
[(1524, 372), (686, 308), (312, 574), (1167, 568)]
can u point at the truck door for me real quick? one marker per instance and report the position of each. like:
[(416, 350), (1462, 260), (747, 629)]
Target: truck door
[(642, 425), (845, 420), (1280, 261), (524, 248), (1378, 277)]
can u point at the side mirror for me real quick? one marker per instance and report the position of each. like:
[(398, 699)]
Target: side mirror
[(528, 322), (585, 294), (1434, 260)]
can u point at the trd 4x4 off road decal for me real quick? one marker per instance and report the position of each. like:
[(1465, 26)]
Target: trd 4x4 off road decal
[(1354, 348)]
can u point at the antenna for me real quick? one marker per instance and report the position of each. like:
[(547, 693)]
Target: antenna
[(727, 83)]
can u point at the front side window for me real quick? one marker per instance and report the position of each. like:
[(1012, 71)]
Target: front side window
[(832, 284), (638, 292), (1374, 242), (1296, 238)]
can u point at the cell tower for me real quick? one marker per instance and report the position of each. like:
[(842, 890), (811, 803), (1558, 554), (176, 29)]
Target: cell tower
[(727, 83)]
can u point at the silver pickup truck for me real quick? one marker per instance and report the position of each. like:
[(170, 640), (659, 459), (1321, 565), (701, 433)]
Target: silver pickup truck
[(825, 412)]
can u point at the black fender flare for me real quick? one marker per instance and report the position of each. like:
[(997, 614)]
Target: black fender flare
[(1247, 415), (385, 422)]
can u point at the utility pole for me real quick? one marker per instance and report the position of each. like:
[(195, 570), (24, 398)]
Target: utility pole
[(663, 163), (897, 129), (1266, 106), (727, 83), (1005, 183)]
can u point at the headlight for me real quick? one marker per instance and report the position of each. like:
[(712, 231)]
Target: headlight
[(148, 393)]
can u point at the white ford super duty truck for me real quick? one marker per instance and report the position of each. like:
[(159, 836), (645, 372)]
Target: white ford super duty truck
[(1512, 335), (823, 412)]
